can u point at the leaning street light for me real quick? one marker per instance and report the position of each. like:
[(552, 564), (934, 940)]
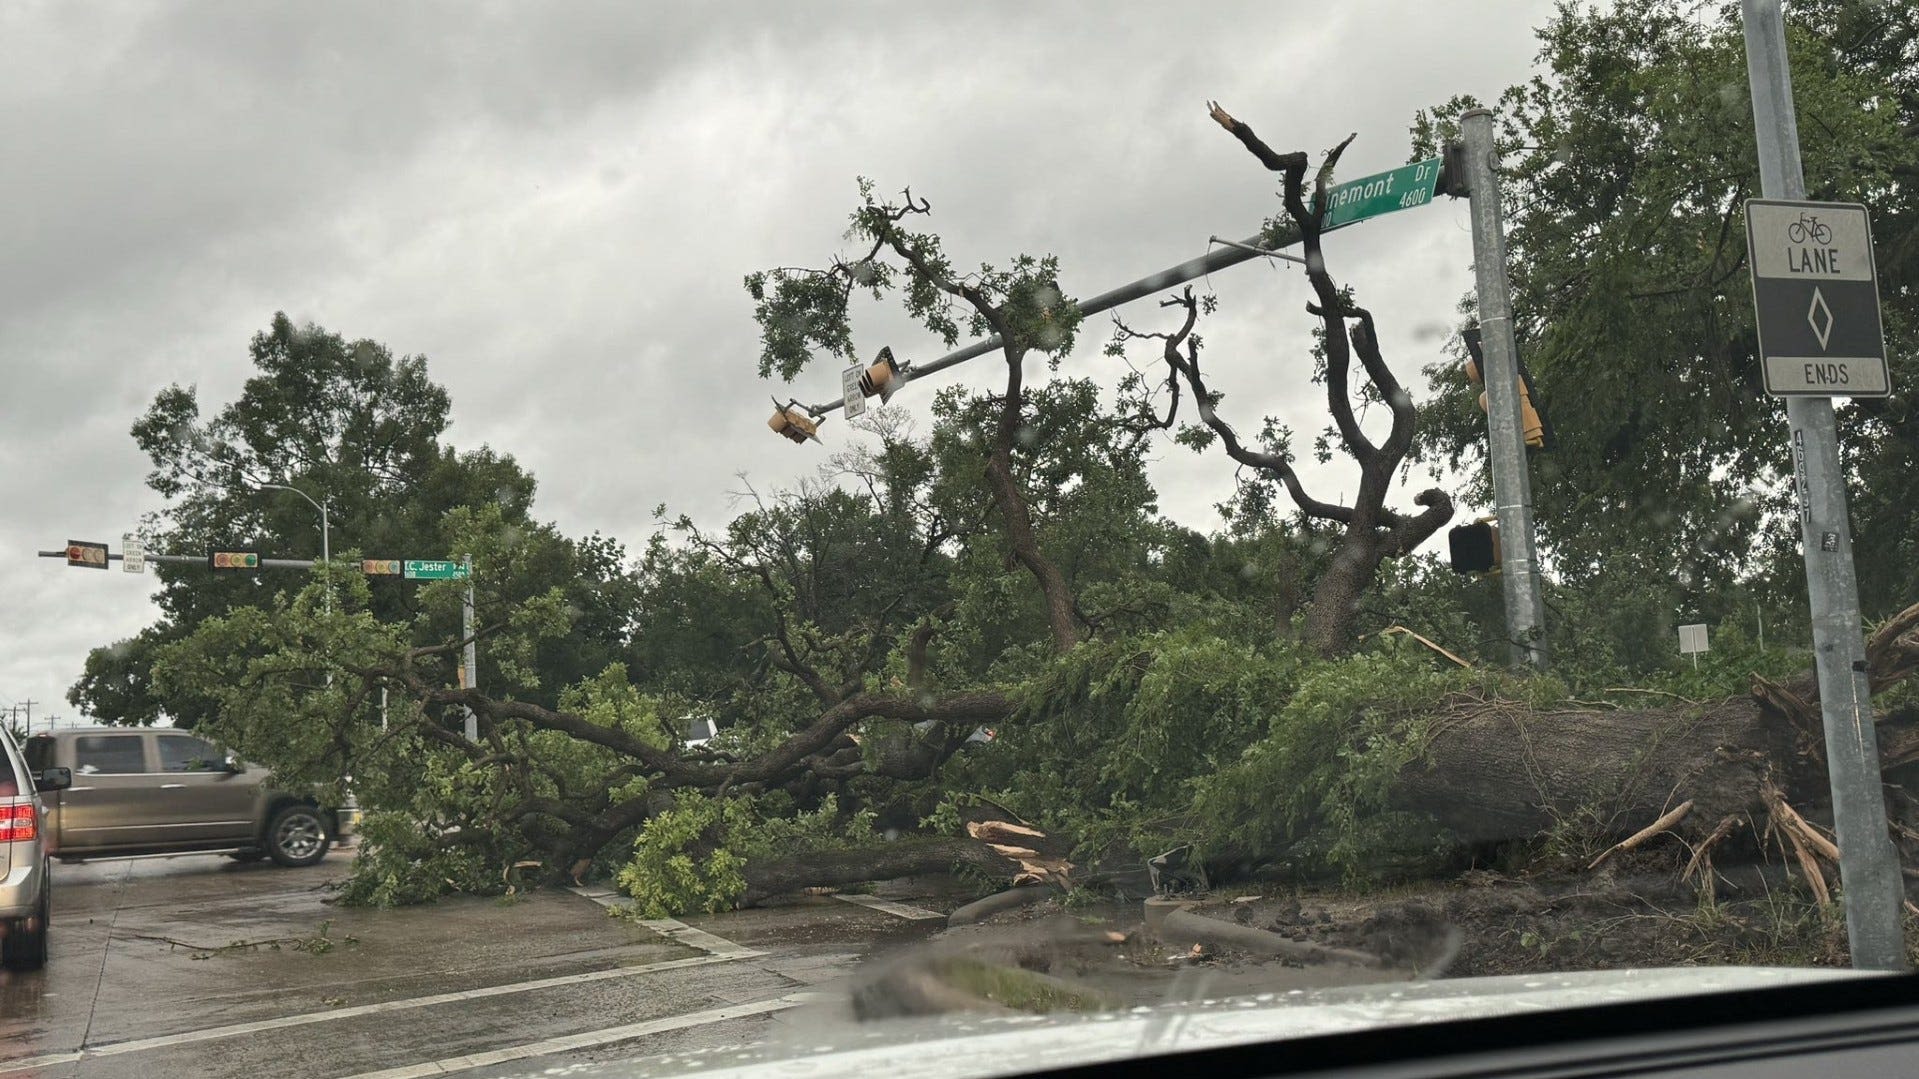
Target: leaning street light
[(326, 542)]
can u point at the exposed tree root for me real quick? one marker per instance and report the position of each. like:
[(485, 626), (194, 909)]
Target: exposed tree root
[(1659, 827)]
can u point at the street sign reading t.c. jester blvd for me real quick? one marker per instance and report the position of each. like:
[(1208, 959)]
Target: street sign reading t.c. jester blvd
[(422, 570), (1401, 189), (1816, 294)]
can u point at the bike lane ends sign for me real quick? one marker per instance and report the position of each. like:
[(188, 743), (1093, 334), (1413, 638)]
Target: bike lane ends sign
[(1815, 292)]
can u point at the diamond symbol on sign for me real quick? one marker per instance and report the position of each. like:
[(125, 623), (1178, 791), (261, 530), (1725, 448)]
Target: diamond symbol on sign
[(1819, 316)]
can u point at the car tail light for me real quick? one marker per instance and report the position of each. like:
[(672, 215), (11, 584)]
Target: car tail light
[(18, 822)]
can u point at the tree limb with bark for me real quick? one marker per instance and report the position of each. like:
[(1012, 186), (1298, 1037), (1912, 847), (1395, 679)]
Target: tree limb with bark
[(1370, 530)]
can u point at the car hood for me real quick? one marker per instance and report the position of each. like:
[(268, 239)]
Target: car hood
[(823, 1043)]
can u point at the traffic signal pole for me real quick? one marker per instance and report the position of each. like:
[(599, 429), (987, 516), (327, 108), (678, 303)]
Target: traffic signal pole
[(469, 673), (1505, 443), (1231, 254), (1868, 864)]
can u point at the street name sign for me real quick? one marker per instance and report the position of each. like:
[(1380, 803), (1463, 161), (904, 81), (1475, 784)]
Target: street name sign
[(850, 393), (1816, 294), (421, 570), (1401, 189), (133, 556)]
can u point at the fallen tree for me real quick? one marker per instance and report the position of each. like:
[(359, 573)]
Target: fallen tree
[(1496, 770)]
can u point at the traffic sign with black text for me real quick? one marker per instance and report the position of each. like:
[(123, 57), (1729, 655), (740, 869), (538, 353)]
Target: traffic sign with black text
[(1816, 294)]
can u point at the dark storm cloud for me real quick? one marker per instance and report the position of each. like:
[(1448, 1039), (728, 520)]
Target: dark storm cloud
[(555, 203)]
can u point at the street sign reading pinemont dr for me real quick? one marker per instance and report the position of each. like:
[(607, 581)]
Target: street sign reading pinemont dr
[(1369, 196), (1816, 293), (422, 570)]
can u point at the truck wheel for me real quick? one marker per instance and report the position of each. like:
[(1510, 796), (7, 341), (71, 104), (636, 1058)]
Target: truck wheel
[(297, 836), (26, 945)]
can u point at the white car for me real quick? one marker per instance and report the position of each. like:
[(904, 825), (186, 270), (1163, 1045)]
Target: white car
[(25, 877)]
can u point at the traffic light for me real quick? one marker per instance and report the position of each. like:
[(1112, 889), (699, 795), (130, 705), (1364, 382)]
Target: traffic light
[(88, 555), (1537, 433), (792, 421), (381, 567), (883, 378), (1475, 547), (233, 560)]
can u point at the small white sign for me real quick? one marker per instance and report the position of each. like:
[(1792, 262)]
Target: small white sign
[(1692, 639), (850, 392), (133, 556)]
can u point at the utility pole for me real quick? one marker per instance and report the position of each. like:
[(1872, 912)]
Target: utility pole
[(469, 675), (28, 706), (1506, 446), (1868, 866)]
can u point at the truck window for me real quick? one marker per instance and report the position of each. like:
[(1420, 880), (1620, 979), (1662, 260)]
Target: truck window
[(185, 753), (39, 751), (108, 754)]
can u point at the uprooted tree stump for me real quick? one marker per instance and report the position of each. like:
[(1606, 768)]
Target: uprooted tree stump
[(1497, 770)]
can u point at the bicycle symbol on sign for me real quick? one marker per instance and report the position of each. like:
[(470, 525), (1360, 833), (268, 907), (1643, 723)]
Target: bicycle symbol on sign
[(1808, 226)]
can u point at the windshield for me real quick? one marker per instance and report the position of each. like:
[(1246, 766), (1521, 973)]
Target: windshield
[(770, 526)]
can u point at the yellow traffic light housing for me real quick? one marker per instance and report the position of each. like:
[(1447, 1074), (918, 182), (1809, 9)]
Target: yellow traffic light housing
[(883, 378), (792, 421), (1532, 424), (233, 559)]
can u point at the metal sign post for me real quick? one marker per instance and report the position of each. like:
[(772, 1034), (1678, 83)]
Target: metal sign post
[(469, 670), (1868, 865), (1505, 419)]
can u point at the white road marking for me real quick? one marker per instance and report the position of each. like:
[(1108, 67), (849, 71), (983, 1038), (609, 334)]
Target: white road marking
[(671, 928), (901, 910), (29, 1063), (588, 1040), (674, 929), (236, 1029)]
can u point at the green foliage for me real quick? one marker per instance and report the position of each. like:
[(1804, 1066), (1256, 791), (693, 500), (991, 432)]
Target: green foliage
[(1111, 741), (1625, 165), (690, 857), (1327, 760), (354, 427)]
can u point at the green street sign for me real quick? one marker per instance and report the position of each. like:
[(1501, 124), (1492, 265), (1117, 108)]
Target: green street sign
[(1401, 189), (432, 571)]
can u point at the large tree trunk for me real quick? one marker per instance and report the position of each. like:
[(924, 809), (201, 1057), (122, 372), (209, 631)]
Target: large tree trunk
[(1335, 605), (904, 858), (1500, 770)]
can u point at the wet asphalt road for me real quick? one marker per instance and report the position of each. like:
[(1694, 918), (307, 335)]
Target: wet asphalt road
[(478, 987)]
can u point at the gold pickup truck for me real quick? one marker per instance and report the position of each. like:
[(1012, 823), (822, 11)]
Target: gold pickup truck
[(157, 791)]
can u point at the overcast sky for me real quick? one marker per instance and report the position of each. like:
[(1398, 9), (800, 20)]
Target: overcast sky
[(555, 204)]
